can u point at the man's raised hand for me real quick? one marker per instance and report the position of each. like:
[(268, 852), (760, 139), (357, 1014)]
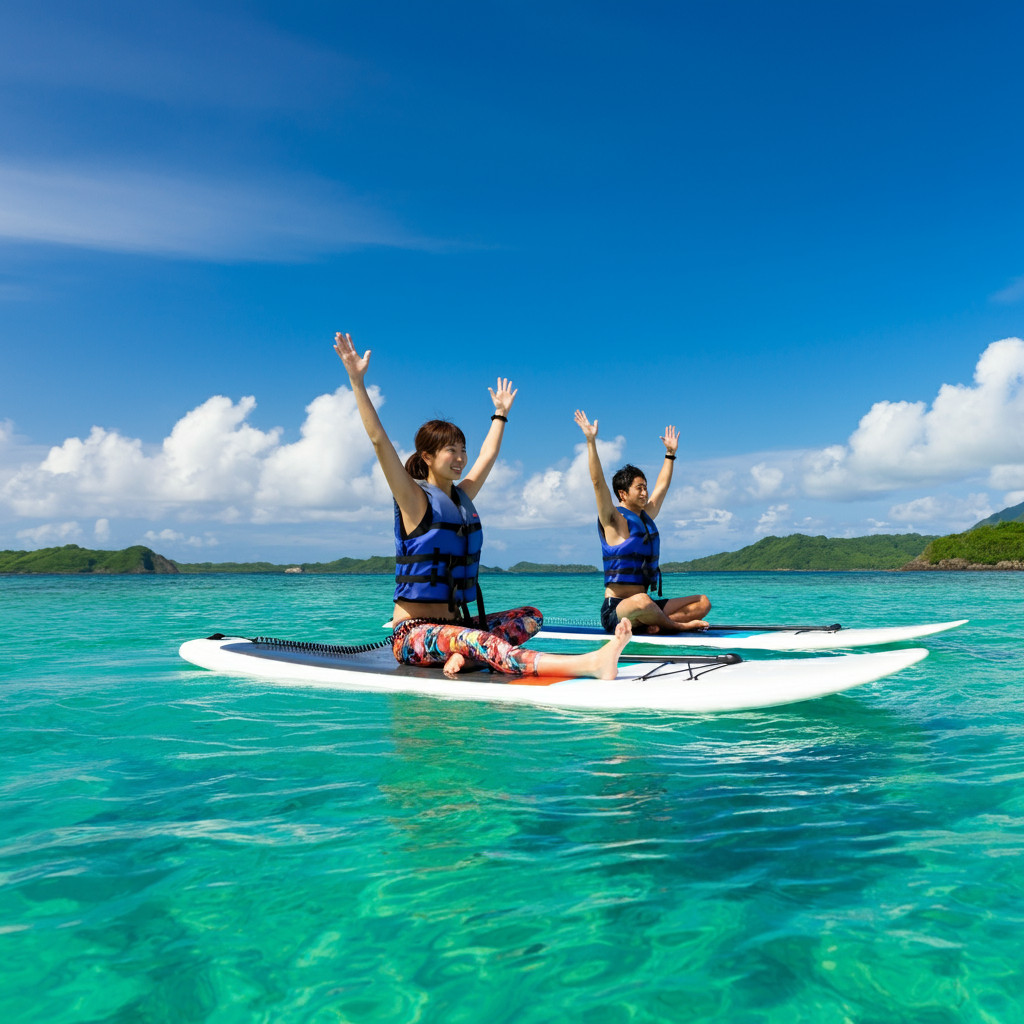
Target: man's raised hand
[(355, 365), (589, 429), (670, 440), (504, 396)]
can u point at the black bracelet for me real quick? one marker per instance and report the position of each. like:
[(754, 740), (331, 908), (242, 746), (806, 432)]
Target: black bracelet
[(498, 416), (672, 457)]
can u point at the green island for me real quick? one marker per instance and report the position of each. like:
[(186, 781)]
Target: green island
[(141, 560), (383, 565), (72, 559), (995, 543), (1013, 514), (985, 546), (376, 564), (801, 552)]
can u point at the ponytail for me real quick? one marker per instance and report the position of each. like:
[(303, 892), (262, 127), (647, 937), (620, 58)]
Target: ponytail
[(416, 467)]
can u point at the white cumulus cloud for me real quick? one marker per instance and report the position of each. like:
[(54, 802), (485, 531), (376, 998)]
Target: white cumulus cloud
[(173, 537), (700, 503), (327, 468), (1007, 478), (967, 430), (961, 513), (214, 464), (553, 497), (767, 480), (50, 534), (773, 518)]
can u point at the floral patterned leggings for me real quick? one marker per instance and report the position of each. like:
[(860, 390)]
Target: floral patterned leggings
[(424, 643)]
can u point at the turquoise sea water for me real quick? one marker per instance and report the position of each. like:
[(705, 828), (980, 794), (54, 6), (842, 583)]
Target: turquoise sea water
[(179, 846)]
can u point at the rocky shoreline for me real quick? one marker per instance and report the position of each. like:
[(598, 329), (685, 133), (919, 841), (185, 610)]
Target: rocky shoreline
[(919, 564)]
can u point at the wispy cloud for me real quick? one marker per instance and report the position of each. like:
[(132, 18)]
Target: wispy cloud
[(175, 53), (13, 292), (1013, 292), (123, 210)]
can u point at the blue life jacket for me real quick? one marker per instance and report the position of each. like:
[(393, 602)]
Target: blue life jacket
[(635, 560), (438, 561)]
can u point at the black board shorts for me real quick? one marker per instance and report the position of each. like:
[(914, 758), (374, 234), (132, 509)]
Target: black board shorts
[(610, 619)]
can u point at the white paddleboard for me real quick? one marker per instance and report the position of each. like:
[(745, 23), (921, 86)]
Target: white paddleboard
[(763, 640), (659, 686)]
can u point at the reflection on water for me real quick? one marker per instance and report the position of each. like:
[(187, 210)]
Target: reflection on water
[(177, 846)]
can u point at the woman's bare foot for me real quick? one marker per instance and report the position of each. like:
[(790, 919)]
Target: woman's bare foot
[(601, 664), (454, 665), (606, 660)]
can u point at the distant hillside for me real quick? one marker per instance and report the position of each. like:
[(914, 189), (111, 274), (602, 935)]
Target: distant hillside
[(798, 551), (999, 545), (375, 564), (538, 567), (383, 565), (1013, 514), (72, 559)]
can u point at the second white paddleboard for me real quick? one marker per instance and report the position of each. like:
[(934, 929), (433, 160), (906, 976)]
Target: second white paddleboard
[(764, 640)]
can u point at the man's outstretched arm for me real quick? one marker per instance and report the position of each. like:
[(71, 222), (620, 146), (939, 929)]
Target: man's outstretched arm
[(671, 443), (605, 506)]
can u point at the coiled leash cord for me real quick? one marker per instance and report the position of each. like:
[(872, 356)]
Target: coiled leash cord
[(302, 645)]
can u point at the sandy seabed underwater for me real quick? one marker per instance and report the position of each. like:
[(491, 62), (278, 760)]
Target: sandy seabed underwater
[(179, 846)]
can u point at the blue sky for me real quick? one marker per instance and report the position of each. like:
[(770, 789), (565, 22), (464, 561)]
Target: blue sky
[(752, 220)]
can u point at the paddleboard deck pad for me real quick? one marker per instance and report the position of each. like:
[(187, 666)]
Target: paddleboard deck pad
[(764, 638), (694, 685)]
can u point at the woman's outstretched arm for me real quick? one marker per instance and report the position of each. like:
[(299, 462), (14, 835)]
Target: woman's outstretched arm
[(409, 495), (502, 399)]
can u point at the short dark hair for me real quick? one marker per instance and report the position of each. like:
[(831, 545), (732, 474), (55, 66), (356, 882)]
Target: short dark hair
[(623, 479)]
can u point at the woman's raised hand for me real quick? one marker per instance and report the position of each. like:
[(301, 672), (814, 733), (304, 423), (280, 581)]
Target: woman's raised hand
[(670, 440), (355, 365), (589, 429), (504, 396)]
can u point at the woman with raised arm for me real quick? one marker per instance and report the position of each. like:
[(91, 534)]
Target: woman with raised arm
[(438, 540)]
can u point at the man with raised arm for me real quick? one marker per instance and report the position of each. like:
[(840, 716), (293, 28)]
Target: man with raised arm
[(630, 545)]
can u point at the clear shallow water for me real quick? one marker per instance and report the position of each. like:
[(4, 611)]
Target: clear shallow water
[(178, 846)]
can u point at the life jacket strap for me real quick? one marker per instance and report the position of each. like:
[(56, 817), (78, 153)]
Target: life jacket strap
[(460, 584), (457, 528), (453, 560)]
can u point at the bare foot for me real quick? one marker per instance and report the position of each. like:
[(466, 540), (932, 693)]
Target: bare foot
[(453, 666), (607, 659), (694, 624)]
